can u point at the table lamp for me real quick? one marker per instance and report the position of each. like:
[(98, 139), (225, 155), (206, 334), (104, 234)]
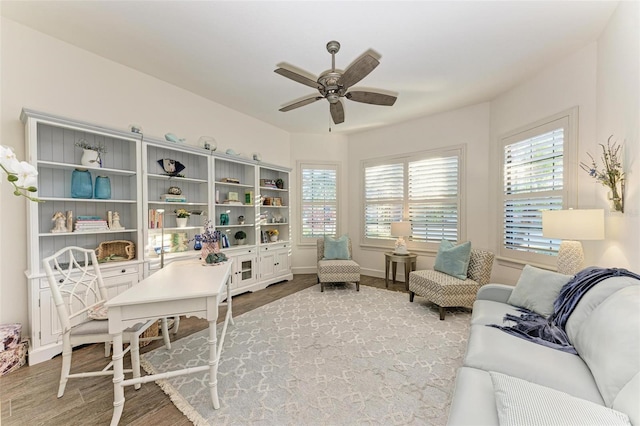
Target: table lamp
[(571, 226), (401, 230)]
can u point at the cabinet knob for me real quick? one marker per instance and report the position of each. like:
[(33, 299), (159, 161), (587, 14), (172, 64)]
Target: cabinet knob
[(123, 271), (61, 280)]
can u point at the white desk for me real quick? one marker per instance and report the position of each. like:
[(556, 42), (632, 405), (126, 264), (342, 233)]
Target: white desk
[(182, 288)]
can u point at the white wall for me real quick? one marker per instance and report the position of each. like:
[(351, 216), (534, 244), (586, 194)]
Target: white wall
[(569, 83), (603, 80), (317, 148), (468, 126), (618, 114), (48, 75)]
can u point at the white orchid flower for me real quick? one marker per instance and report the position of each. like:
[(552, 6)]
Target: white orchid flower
[(22, 175), (8, 159), (27, 175)]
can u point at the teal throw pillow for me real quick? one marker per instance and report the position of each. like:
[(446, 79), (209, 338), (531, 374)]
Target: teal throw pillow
[(453, 259), (336, 248)]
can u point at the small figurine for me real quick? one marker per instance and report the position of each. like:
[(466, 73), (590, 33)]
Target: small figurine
[(59, 220), (173, 138), (116, 222)]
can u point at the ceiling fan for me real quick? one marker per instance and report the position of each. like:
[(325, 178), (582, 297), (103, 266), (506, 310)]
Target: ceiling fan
[(334, 84)]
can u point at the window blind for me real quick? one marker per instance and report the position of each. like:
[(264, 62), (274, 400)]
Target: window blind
[(533, 181), (384, 195), (423, 188), (319, 202), (434, 199)]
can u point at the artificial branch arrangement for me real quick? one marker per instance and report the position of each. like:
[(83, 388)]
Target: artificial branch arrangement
[(611, 174), (82, 143)]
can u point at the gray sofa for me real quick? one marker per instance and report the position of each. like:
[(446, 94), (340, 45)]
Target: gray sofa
[(604, 328)]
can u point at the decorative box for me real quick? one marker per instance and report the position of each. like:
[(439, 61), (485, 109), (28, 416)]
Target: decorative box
[(14, 358), (9, 336)]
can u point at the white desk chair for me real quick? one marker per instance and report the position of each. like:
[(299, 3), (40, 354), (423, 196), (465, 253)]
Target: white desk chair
[(78, 293)]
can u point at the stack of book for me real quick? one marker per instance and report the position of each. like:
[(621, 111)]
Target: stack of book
[(230, 180), (90, 224), (171, 198), (268, 183)]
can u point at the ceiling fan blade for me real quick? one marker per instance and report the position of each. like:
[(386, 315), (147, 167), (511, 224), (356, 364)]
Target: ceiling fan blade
[(297, 77), (337, 112), (371, 97), (358, 70), (298, 104)]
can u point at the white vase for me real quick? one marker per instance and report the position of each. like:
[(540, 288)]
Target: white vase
[(90, 158), (274, 238), (182, 221), (241, 241)]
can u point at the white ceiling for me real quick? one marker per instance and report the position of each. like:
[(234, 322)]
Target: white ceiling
[(436, 55)]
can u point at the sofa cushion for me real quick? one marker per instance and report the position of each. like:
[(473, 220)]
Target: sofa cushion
[(520, 402), (537, 289), (490, 312), (592, 299), (492, 349), (453, 259), (609, 341), (473, 402), (627, 400)]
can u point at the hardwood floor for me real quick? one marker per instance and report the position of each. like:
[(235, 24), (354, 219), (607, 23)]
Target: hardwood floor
[(28, 395)]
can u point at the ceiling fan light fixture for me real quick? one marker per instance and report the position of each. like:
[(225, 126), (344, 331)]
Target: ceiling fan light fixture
[(334, 84)]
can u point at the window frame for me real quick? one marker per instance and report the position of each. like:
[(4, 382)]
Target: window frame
[(568, 120), (316, 165), (405, 159)]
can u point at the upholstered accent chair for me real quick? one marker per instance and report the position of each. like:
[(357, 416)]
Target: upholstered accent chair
[(337, 270), (447, 291)]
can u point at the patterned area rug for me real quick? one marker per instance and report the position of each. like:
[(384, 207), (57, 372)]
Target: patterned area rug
[(335, 358)]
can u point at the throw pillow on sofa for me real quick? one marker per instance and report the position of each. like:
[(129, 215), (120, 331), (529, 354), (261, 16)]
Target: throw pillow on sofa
[(336, 248), (453, 259), (537, 289), (523, 403)]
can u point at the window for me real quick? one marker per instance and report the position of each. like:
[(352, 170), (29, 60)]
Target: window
[(535, 178), (318, 200), (424, 188)]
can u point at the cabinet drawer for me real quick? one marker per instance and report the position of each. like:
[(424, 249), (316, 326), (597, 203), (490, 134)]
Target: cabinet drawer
[(112, 271), (119, 270), (273, 247)]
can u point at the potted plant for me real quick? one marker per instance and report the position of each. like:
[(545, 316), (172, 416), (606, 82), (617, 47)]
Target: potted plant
[(91, 153), (181, 217), (279, 183), (240, 237), (273, 235)]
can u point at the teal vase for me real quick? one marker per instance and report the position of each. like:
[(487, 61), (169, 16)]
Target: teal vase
[(103, 188), (81, 184)]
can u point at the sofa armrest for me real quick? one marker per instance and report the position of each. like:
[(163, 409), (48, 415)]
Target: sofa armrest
[(495, 292)]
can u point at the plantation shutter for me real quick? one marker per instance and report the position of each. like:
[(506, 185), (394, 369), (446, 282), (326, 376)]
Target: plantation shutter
[(434, 199), (533, 181), (319, 201), (384, 194)]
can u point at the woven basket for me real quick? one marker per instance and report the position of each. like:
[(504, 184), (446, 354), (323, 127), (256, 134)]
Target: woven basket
[(152, 331), (120, 249)]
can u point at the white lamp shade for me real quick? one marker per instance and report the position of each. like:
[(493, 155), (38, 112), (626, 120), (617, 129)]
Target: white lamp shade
[(400, 229), (587, 224)]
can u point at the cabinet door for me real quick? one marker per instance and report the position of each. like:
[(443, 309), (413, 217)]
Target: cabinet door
[(267, 263), (282, 262), (245, 271), (50, 327)]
